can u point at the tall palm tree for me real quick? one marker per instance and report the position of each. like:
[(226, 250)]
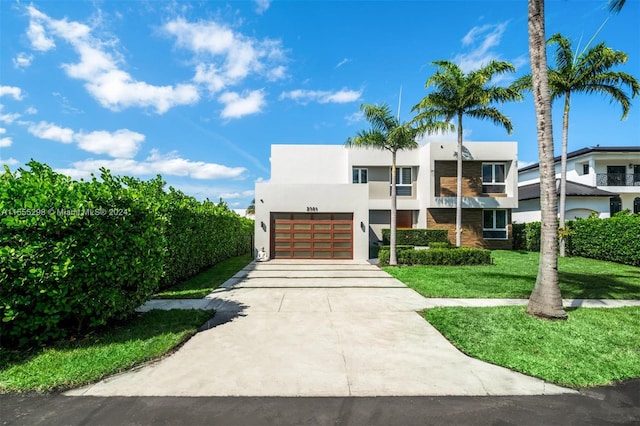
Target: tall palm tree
[(616, 5), (458, 94), (545, 300), (251, 209), (587, 72), (386, 132)]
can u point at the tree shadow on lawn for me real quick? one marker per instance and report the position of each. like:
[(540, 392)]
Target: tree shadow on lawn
[(140, 326)]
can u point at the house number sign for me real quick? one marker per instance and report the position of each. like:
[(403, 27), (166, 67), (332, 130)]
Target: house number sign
[(312, 209)]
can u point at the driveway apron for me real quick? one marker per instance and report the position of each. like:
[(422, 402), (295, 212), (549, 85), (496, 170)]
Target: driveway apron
[(317, 328)]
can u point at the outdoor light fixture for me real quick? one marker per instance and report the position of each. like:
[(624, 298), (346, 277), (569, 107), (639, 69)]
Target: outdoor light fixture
[(263, 226), (362, 226)]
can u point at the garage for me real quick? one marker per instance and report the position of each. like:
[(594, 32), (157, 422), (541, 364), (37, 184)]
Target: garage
[(312, 235)]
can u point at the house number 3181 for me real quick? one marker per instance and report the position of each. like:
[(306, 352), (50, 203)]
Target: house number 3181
[(312, 209)]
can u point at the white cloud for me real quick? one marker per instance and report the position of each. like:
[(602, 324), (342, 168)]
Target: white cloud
[(238, 194), (262, 6), (342, 62), (225, 57), (236, 106), (44, 130), (322, 96), (482, 40), (9, 162), (38, 38), (9, 117), (5, 142), (449, 136), (112, 87), (12, 91), (354, 118), (30, 111), (23, 60), (170, 164), (122, 143)]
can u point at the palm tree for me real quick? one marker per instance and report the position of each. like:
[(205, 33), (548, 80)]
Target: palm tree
[(251, 209), (588, 72), (616, 5), (457, 94), (545, 300), (388, 133)]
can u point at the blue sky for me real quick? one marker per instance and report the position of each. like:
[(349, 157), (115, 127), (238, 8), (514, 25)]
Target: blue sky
[(198, 91)]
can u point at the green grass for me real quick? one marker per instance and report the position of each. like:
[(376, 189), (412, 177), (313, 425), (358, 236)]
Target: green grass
[(595, 346), (514, 274), (71, 364), (204, 283)]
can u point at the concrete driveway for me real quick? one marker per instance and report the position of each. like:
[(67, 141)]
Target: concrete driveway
[(318, 328)]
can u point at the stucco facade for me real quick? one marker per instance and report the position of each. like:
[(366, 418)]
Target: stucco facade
[(615, 170), (313, 185)]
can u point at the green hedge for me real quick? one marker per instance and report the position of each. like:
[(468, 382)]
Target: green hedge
[(416, 237), (526, 236), (438, 256), (74, 255), (616, 239)]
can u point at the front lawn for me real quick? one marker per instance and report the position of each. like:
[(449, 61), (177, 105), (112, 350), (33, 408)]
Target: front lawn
[(71, 364), (204, 283), (514, 274), (595, 346)]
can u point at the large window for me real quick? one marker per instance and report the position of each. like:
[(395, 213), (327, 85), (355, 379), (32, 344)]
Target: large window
[(360, 175), (494, 224), (636, 205), (493, 178), (403, 181)]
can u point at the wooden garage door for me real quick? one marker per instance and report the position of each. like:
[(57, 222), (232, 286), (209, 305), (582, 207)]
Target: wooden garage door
[(312, 235)]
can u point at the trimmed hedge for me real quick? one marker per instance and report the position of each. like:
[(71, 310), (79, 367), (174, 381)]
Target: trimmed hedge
[(75, 255), (526, 236), (416, 237), (616, 239), (438, 256)]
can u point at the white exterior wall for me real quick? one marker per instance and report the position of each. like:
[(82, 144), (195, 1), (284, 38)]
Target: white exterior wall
[(598, 162), (326, 198), (309, 164)]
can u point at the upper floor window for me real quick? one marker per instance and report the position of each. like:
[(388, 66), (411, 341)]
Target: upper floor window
[(493, 178), (585, 169), (494, 224), (403, 181), (360, 175)]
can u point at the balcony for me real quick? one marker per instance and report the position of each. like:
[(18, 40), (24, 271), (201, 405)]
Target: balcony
[(618, 179)]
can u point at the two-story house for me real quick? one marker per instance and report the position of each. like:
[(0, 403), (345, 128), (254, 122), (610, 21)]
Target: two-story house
[(600, 180), (332, 202)]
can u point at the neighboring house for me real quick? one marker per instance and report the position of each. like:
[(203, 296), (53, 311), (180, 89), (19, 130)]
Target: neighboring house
[(330, 201), (601, 180)]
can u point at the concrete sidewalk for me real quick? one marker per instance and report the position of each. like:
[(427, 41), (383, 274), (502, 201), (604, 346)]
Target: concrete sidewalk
[(317, 329)]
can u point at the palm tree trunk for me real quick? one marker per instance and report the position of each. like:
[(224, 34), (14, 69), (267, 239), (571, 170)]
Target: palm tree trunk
[(393, 259), (563, 172), (545, 300), (459, 186)]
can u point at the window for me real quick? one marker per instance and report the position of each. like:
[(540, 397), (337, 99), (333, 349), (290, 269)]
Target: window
[(585, 169), (615, 205), (360, 175), (403, 181), (494, 224), (493, 178), (636, 205)]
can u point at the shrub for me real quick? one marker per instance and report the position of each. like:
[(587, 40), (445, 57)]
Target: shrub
[(526, 236), (615, 239), (416, 237), (438, 244), (439, 256), (75, 255)]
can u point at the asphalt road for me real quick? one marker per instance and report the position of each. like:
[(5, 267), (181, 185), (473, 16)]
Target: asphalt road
[(618, 405)]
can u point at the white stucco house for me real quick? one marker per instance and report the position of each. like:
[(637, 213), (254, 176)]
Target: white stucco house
[(601, 180), (332, 202)]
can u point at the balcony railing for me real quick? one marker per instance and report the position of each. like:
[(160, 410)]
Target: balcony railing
[(618, 179)]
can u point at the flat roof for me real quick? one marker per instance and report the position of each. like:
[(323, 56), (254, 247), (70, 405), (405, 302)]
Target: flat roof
[(584, 151)]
